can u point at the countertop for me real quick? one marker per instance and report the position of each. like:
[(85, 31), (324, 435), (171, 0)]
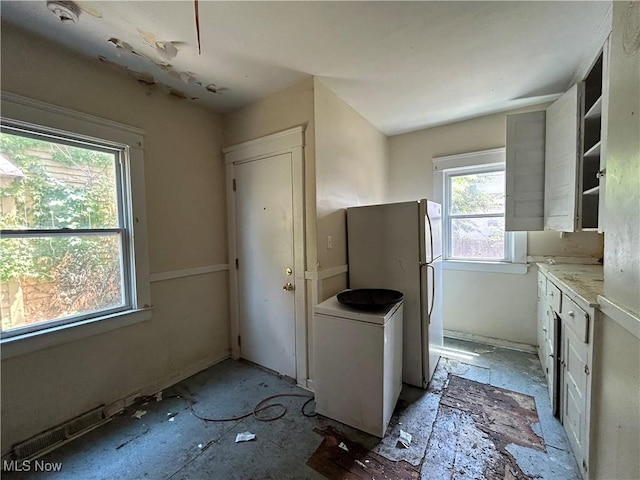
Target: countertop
[(584, 281)]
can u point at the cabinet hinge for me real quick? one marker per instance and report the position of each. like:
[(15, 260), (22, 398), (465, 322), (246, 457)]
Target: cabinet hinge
[(584, 464), (239, 341), (586, 369), (234, 184), (237, 264)]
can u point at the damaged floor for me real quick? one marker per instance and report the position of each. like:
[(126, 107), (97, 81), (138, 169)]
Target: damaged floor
[(486, 415)]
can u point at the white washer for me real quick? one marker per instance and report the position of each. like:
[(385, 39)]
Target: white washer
[(357, 364)]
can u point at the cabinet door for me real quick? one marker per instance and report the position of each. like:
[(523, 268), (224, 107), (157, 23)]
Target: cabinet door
[(525, 157), (604, 127), (562, 161), (576, 364), (551, 365), (542, 329)]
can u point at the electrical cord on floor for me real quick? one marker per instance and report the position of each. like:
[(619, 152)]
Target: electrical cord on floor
[(260, 407)]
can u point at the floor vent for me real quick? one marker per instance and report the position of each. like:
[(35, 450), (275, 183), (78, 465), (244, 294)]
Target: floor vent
[(50, 439)]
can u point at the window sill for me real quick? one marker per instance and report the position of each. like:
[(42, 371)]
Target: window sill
[(51, 337), (487, 267)]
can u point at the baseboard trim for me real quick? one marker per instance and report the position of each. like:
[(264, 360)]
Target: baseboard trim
[(119, 405), (496, 342)]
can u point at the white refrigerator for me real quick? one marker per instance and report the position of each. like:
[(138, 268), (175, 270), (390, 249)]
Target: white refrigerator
[(399, 246)]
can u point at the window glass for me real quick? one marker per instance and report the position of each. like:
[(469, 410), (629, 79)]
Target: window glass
[(475, 214), (481, 238), (477, 193), (63, 247)]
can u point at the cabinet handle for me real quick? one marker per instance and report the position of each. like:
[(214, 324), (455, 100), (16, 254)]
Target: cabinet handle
[(571, 314), (544, 329), (586, 369), (601, 173)]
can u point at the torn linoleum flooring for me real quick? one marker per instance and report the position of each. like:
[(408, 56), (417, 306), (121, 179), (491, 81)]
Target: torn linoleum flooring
[(489, 418), (474, 425)]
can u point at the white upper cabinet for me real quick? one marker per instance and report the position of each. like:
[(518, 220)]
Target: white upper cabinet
[(562, 161), (555, 163), (594, 125), (525, 166)]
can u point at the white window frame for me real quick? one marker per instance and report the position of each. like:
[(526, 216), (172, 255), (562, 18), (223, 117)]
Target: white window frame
[(31, 115), (447, 167)]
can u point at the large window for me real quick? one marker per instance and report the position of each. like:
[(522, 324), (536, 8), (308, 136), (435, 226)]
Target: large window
[(68, 224), (472, 188)]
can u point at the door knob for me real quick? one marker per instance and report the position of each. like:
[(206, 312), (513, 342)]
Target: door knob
[(288, 287)]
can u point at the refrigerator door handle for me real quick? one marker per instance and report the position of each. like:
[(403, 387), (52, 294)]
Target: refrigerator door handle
[(433, 290), (430, 238)]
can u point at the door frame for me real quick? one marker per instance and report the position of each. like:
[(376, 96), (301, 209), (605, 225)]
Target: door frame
[(291, 142)]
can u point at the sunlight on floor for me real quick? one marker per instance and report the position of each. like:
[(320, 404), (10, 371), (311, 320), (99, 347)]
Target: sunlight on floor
[(457, 353)]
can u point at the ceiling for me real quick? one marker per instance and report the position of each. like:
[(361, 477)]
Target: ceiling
[(402, 65)]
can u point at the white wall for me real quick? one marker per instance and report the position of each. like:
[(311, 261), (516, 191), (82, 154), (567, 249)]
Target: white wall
[(493, 305), (622, 255), (186, 226), (352, 168), (616, 389)]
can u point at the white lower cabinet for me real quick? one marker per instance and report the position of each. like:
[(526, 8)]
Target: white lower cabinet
[(575, 373), (565, 348)]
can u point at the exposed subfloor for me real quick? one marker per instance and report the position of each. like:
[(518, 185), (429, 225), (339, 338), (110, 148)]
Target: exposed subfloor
[(169, 442)]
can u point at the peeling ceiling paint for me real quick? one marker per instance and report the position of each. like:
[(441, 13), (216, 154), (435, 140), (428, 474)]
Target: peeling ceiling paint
[(402, 65)]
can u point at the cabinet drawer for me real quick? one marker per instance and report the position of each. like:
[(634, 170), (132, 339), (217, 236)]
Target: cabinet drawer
[(575, 318), (554, 295)]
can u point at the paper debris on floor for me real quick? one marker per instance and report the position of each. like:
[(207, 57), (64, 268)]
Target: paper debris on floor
[(245, 437), (404, 440), (343, 446), (139, 414)]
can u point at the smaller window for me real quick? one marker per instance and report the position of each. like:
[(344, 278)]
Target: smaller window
[(474, 210), (472, 189)]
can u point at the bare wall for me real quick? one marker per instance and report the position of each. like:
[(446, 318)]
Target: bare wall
[(493, 305), (352, 169), (185, 186)]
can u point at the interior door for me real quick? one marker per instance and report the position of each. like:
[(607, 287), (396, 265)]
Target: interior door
[(264, 238)]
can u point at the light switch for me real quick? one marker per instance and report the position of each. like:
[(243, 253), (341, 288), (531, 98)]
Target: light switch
[(329, 242)]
